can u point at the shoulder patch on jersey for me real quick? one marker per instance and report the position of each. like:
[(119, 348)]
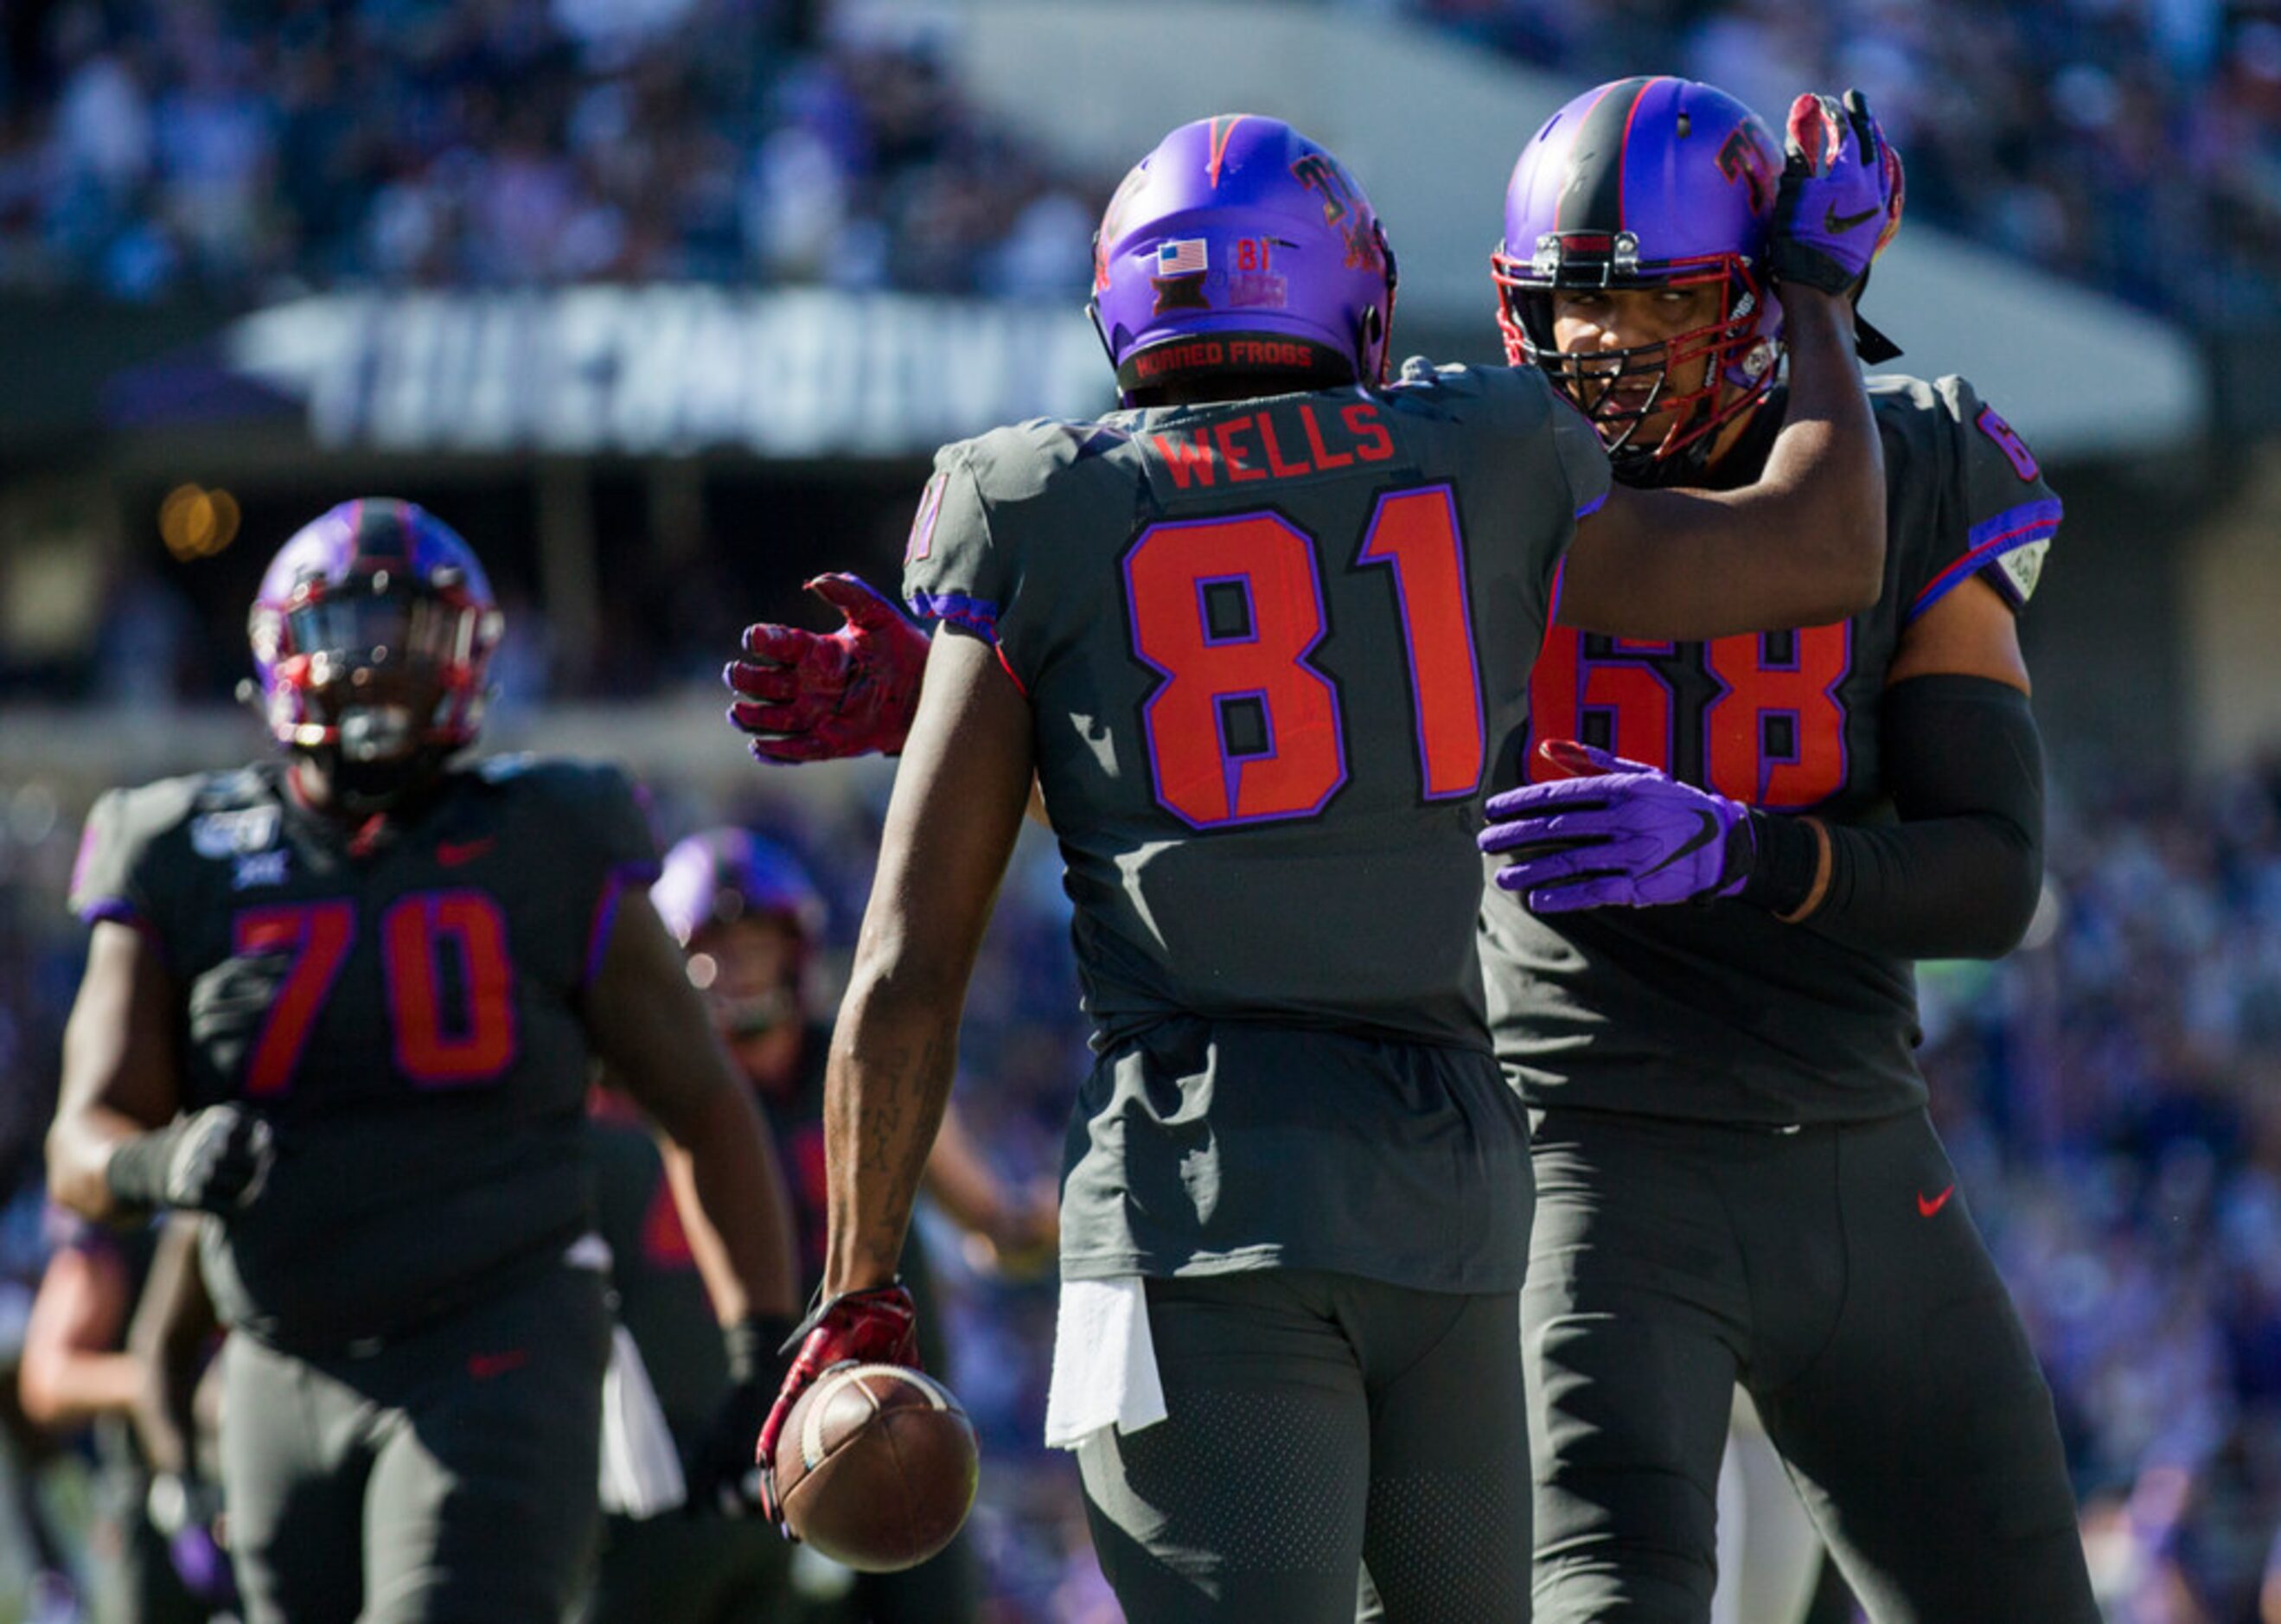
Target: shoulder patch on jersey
[(499, 769), (268, 867), (235, 834), (2007, 441), (2023, 566)]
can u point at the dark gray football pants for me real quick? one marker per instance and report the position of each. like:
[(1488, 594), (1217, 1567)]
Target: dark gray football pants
[(1317, 1419), (1835, 1271), (446, 1478)]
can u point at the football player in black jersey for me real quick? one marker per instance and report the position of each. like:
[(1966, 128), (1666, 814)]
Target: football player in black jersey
[(345, 1001), (1736, 1179)]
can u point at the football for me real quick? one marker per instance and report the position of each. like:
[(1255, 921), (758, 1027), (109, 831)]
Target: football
[(876, 1466)]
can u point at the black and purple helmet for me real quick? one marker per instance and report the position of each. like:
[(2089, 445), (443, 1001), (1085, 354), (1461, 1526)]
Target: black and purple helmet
[(1656, 182), (1239, 246), (717, 875), (374, 628)]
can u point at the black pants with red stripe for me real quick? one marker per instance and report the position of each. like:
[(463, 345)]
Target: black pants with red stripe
[(1836, 1272)]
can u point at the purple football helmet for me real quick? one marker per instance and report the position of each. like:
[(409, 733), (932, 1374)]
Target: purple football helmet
[(373, 631), (718, 875), (1240, 246), (1647, 183)]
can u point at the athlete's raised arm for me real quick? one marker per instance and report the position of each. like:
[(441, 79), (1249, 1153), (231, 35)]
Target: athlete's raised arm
[(1805, 544)]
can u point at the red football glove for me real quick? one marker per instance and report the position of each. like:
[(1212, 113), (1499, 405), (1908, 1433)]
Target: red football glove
[(878, 1327), (808, 696)]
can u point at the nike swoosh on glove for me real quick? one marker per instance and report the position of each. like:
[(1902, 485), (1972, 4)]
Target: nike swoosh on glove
[(1622, 834), (810, 696), (878, 1327), (1841, 194)]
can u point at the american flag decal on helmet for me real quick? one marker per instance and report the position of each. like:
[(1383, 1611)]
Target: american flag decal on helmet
[(1182, 257)]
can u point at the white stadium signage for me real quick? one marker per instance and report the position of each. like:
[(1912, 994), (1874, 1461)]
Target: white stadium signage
[(668, 370)]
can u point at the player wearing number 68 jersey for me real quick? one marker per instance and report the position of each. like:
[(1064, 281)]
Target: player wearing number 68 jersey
[(1256, 637), (1736, 1180), (347, 1002)]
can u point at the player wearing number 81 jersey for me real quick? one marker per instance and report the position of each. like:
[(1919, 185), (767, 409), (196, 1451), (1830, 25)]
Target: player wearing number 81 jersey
[(1254, 635), (347, 1002)]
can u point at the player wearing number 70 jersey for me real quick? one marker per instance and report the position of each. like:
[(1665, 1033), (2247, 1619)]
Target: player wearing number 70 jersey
[(1255, 636), (347, 1002)]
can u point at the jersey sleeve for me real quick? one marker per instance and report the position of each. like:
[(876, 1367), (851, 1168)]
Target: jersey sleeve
[(1997, 514), (112, 876), (628, 853), (954, 571)]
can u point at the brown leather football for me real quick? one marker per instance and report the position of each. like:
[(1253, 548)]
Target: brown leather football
[(877, 1466)]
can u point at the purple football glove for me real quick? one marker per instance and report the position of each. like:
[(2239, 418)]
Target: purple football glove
[(1622, 835), (1840, 201), (809, 696)]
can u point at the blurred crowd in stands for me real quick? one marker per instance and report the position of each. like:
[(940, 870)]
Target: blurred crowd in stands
[(2134, 144), (157, 147), (244, 149)]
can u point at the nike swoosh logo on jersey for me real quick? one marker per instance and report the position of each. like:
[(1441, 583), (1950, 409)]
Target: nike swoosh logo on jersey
[(1702, 838), (1927, 1208), (1837, 224), (451, 853)]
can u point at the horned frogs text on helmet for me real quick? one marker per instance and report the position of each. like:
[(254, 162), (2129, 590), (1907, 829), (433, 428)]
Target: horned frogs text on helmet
[(1239, 246), (372, 632), (1647, 183)]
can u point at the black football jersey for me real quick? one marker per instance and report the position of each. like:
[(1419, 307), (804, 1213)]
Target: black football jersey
[(403, 1010), (1260, 642), (1261, 639), (1720, 1010)]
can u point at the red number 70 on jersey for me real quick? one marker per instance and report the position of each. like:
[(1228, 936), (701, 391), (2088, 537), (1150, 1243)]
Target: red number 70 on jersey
[(419, 932), (1244, 727)]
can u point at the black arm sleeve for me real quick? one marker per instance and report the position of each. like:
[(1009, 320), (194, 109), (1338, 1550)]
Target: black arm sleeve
[(1959, 876)]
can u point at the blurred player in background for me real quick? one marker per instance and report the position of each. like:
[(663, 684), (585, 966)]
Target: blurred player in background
[(751, 922), (345, 1001), (1233, 632), (79, 1370), (1736, 1179)]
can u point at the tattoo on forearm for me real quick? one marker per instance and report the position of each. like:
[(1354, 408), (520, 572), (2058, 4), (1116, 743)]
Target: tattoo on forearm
[(896, 1107)]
